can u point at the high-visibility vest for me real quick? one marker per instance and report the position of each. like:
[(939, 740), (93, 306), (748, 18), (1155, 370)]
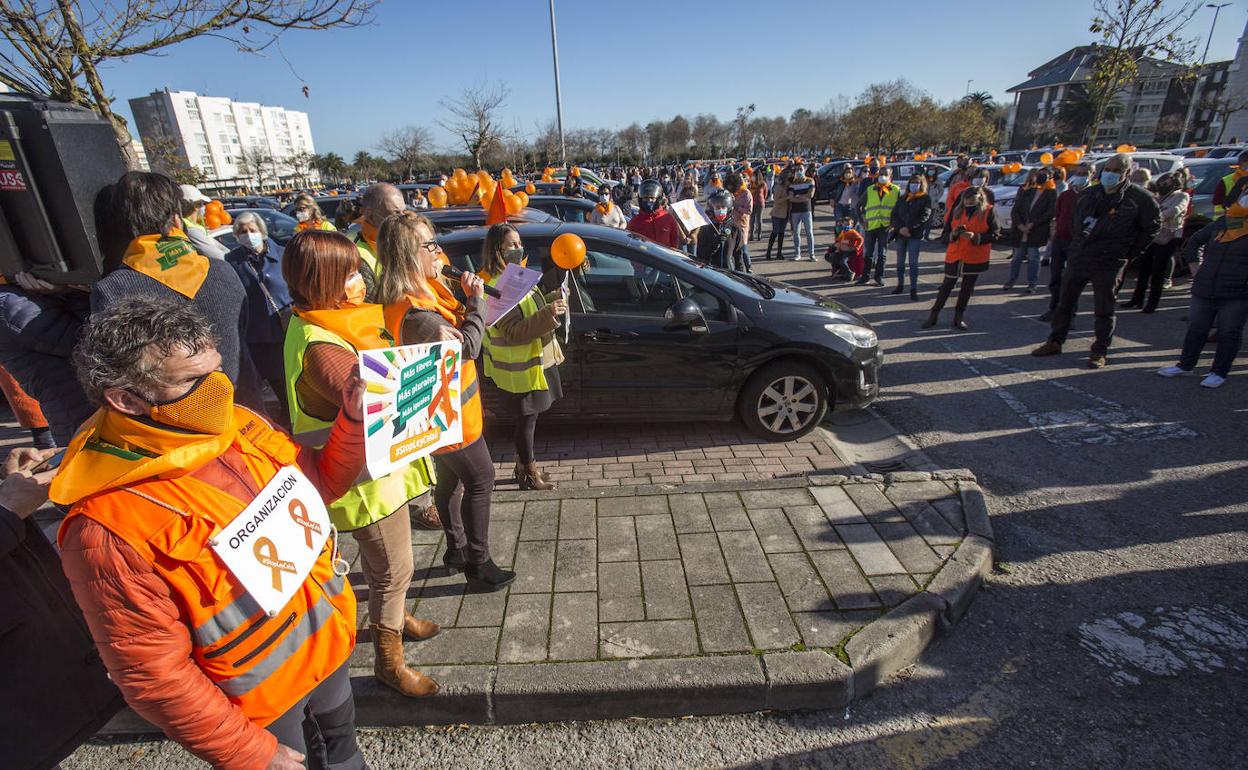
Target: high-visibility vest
[(368, 259), (369, 500), (1228, 184), (469, 389), (961, 250), (316, 224), (879, 209), (514, 368), (263, 664)]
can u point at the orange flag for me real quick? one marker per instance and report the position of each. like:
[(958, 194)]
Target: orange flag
[(498, 208)]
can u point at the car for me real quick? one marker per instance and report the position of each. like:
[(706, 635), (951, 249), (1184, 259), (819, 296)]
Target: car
[(1005, 191), (655, 336), (828, 175), (329, 204), (250, 202), (587, 176), (1207, 173), (409, 189), (1209, 151), (458, 217), (541, 188), (563, 207), (281, 227), (1156, 162)]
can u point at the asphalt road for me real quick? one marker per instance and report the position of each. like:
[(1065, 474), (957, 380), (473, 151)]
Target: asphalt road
[(1114, 632)]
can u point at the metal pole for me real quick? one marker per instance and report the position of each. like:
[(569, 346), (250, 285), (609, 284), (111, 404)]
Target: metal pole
[(968, 86), (554, 50), (1191, 105)]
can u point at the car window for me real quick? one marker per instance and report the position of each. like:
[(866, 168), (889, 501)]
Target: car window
[(1207, 177), (615, 284), (571, 213)]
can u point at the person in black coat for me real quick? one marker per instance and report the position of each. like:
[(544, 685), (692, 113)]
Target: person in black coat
[(56, 692), (1218, 257), (1114, 221), (721, 243), (1031, 224), (909, 221)]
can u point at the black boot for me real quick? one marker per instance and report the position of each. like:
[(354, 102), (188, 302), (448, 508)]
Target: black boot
[(487, 576), (964, 299), (900, 288), (914, 294), (942, 296), (454, 559)]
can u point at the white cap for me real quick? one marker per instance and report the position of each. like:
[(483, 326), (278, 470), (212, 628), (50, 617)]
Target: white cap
[(191, 193)]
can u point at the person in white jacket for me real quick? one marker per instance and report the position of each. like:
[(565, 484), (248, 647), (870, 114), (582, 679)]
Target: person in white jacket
[(1157, 262), (607, 213)]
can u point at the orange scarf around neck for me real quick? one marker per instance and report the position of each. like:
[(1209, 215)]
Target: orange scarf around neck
[(605, 208), (364, 327), (168, 259), (369, 231)]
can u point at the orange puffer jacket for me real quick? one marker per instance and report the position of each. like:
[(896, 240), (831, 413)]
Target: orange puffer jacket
[(137, 627)]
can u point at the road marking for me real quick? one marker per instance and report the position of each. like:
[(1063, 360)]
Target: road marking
[(1169, 642), (1105, 423)]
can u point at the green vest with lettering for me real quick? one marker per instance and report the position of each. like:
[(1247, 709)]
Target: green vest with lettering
[(878, 211), (370, 500), (514, 368)]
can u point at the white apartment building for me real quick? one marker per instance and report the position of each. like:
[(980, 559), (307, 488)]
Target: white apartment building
[(213, 132)]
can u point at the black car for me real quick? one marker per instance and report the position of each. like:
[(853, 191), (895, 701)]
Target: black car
[(458, 217), (563, 207), (251, 202), (541, 188), (657, 336), (280, 226)]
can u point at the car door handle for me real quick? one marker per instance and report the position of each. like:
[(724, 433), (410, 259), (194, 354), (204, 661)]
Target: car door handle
[(605, 335)]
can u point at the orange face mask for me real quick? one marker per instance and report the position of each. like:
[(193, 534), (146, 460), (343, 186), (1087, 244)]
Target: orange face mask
[(206, 408), (354, 290)]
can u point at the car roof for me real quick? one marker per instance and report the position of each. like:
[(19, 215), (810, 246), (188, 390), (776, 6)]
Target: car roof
[(541, 198), (1189, 162), (547, 230)]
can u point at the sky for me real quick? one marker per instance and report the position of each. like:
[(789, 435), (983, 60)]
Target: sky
[(629, 60)]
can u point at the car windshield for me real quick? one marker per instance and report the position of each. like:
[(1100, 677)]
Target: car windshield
[(1206, 176), (1017, 179)]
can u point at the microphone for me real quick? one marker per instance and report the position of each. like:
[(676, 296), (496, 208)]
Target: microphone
[(450, 271)]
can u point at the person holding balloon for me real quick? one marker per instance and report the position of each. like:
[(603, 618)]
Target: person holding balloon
[(195, 215), (521, 354)]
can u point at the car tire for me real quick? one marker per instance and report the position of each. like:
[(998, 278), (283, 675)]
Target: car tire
[(784, 401)]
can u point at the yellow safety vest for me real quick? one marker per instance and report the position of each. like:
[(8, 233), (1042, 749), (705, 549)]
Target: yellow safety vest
[(1228, 183), (367, 258), (370, 500), (514, 368), (879, 210)]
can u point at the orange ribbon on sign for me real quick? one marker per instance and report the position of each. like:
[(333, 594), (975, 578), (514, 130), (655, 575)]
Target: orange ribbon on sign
[(266, 553), (443, 397), (299, 513)]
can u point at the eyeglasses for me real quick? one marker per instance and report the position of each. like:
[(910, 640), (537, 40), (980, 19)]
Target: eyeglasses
[(432, 247)]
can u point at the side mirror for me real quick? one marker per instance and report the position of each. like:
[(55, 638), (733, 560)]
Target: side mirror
[(685, 314)]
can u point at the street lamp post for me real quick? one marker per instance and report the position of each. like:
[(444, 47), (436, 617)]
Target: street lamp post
[(968, 86), (554, 50), (1191, 105)]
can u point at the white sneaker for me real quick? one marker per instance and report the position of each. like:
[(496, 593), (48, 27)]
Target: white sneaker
[(1175, 371), (1212, 381)]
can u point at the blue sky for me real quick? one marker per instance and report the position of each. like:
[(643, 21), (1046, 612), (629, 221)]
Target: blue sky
[(628, 60)]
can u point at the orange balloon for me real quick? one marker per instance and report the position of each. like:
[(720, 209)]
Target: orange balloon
[(530, 188), (523, 197), (547, 178), (212, 220), (437, 197), (576, 171), (511, 202), (226, 218), (1046, 159), (568, 251)]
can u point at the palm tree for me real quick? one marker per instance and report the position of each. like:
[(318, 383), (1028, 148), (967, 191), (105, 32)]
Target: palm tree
[(330, 165), (981, 99)]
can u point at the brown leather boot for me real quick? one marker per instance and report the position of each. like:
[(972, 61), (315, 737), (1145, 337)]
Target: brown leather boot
[(531, 478), (419, 630), (391, 670)]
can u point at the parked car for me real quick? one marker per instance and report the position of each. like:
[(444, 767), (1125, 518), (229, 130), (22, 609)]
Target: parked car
[(1209, 151), (281, 227), (587, 177), (1206, 174), (250, 202), (1157, 162), (458, 217), (563, 207), (329, 205), (656, 335)]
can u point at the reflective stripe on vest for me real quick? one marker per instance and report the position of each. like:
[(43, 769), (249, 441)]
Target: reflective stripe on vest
[(514, 368), (280, 652), (878, 211)]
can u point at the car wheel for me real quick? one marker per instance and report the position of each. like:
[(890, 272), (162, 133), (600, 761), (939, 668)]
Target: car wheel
[(784, 401)]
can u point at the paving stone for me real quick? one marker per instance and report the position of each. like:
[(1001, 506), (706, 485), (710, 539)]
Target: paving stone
[(869, 550), (422, 536), (807, 680), (799, 582), (463, 698), (512, 511), (930, 524), (526, 628), (813, 528), (961, 576), (726, 511), (767, 616), (541, 520), (872, 502), (618, 608), (829, 628), (689, 514), (911, 550), (746, 561), (574, 627), (721, 626), (577, 519), (619, 579), (576, 565), (775, 534), (893, 589), (639, 505), (617, 538), (917, 490), (440, 598), (837, 505), (481, 609), (849, 589), (951, 510), (703, 561), (503, 538), (453, 645), (535, 567), (664, 590), (656, 539), (425, 558), (943, 551), (649, 638), (775, 498)]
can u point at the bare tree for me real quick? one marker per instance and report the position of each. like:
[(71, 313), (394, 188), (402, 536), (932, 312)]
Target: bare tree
[(741, 126), (165, 156), (59, 51), (1224, 107), (256, 162), (406, 147), (474, 118), (301, 165)]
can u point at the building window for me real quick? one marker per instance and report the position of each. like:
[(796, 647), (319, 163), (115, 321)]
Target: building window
[(1106, 133), (1146, 109)]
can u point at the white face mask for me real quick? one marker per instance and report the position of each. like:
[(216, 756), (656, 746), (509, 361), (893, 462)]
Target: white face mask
[(253, 241), (915, 187), (1078, 182), (977, 182), (303, 215), (1243, 201)]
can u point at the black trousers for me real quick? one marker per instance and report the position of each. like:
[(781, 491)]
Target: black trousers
[(964, 294), (1156, 265), (1104, 279), (467, 524), (321, 726)]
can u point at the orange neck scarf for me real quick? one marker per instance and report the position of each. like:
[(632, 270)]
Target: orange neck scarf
[(1236, 224), (443, 303), (311, 224), (605, 208), (369, 231), (363, 327), (170, 260)]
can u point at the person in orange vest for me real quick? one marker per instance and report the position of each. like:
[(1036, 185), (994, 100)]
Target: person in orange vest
[(411, 266), (972, 230), (156, 483)]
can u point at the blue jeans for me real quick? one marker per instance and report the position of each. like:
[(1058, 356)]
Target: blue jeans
[(909, 246), (1230, 315), (799, 221), (1059, 252), (844, 210), (873, 246), (745, 256), (1032, 253)]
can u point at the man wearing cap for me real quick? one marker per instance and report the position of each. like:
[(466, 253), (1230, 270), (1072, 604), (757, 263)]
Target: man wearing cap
[(193, 202)]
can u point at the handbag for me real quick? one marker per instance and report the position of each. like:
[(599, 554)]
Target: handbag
[(283, 313)]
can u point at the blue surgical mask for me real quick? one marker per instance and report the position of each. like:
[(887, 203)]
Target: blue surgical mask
[(253, 241), (915, 187), (1110, 179), (1078, 182)]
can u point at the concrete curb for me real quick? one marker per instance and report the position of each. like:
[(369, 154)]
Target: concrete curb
[(713, 684)]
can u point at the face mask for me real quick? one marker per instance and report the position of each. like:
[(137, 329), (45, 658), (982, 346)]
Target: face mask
[(253, 241), (1241, 205), (648, 205), (915, 187), (1078, 182), (963, 164), (513, 256), (208, 407), (719, 213), (977, 182), (355, 291), (1110, 178), (303, 215), (883, 181)]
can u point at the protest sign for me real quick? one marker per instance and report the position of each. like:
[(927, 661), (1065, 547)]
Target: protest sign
[(513, 284), (689, 215)]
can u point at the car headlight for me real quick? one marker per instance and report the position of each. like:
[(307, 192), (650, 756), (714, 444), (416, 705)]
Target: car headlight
[(858, 336)]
